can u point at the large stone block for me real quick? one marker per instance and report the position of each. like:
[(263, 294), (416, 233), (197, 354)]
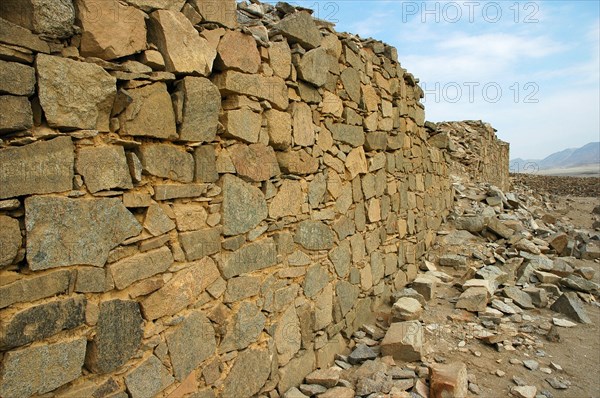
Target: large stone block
[(41, 167), (140, 266), (10, 239), (280, 58), (223, 12), (75, 95), (50, 18), (201, 105), (449, 380), (244, 206), (317, 277), (110, 30), (190, 343), (347, 294), (294, 372), (150, 113), (256, 162), (63, 231), (150, 5), (249, 373), (314, 66), (41, 321), (16, 79), (15, 114), (287, 336), (238, 51), (118, 336), (403, 341), (314, 235), (300, 27), (201, 243), (244, 329), (279, 127), (272, 89), (104, 168), (180, 44), (206, 164), (41, 369), (243, 124), (288, 201), (19, 36), (347, 134), (297, 162), (35, 287), (351, 81), (148, 378), (167, 161), (303, 127), (182, 290), (252, 257)]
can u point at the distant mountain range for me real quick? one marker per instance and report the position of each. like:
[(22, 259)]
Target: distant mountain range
[(573, 157)]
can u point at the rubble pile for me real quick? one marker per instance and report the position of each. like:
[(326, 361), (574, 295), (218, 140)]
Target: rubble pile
[(515, 276)]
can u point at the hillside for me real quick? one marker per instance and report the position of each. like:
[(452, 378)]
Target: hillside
[(588, 154)]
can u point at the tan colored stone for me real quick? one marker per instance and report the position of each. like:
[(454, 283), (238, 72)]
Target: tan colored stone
[(448, 380), (280, 58), (104, 168), (200, 109), (10, 239), (403, 341), (150, 114), (190, 217), (303, 128), (272, 89), (13, 34), (15, 114), (356, 162), (75, 94), (140, 266), (167, 161), (238, 51), (111, 31), (297, 162), (224, 12), (256, 162), (300, 27), (242, 124), (332, 104), (16, 79), (314, 66), (53, 19), (370, 99), (244, 206), (288, 201), (182, 48), (279, 127)]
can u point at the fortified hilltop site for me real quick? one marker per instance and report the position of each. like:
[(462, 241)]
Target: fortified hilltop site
[(205, 199)]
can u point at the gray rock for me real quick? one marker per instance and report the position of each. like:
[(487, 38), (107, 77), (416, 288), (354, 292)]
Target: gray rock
[(244, 206), (249, 373), (244, 329), (150, 113), (470, 223), (206, 164), (300, 28), (519, 297), (65, 104), (315, 280), (531, 364), (92, 280), (38, 168), (148, 379), (314, 235), (580, 284), (493, 274), (340, 257), (118, 336), (190, 343), (453, 260), (287, 335), (104, 168), (361, 353), (252, 257), (15, 114), (293, 373), (156, 221), (167, 161), (62, 232), (41, 369), (141, 266), (241, 287), (173, 191), (41, 321), (201, 243), (346, 294), (10, 239), (15, 78), (570, 305), (351, 80), (53, 19), (201, 105), (347, 134), (35, 287)]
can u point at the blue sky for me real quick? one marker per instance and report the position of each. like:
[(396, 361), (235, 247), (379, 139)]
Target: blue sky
[(530, 68)]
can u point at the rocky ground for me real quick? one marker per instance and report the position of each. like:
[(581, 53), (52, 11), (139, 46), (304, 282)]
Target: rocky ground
[(505, 306), (588, 187)]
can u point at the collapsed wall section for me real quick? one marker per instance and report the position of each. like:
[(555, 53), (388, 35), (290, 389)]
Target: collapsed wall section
[(190, 205), (476, 153)]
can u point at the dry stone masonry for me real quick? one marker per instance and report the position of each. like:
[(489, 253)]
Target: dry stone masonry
[(199, 198)]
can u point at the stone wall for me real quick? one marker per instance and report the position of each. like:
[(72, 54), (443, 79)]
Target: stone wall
[(476, 153), (196, 206)]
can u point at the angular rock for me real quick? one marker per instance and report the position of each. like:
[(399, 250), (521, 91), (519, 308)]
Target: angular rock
[(406, 309), (249, 258), (324, 377), (114, 31), (293, 373), (156, 221), (356, 162), (361, 353), (245, 328), (182, 48), (578, 283), (150, 114), (223, 13), (288, 201), (201, 243), (238, 51), (448, 380), (62, 232), (303, 128), (474, 299), (297, 162), (16, 79), (256, 162), (249, 373), (453, 260), (92, 280), (140, 266), (494, 275), (403, 341), (244, 206), (524, 391), (104, 168), (472, 224), (351, 81), (241, 287), (499, 228), (190, 217), (41, 321), (426, 286), (314, 235), (15, 114), (347, 134), (190, 343), (41, 369), (519, 297), (118, 336), (18, 36), (206, 164), (279, 127), (300, 27), (38, 168), (52, 19), (280, 58), (148, 379), (347, 295), (172, 191), (10, 239), (315, 280), (65, 102), (338, 392), (200, 111), (35, 287), (570, 305), (558, 242), (314, 66), (167, 161), (287, 336), (243, 124), (272, 89)]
